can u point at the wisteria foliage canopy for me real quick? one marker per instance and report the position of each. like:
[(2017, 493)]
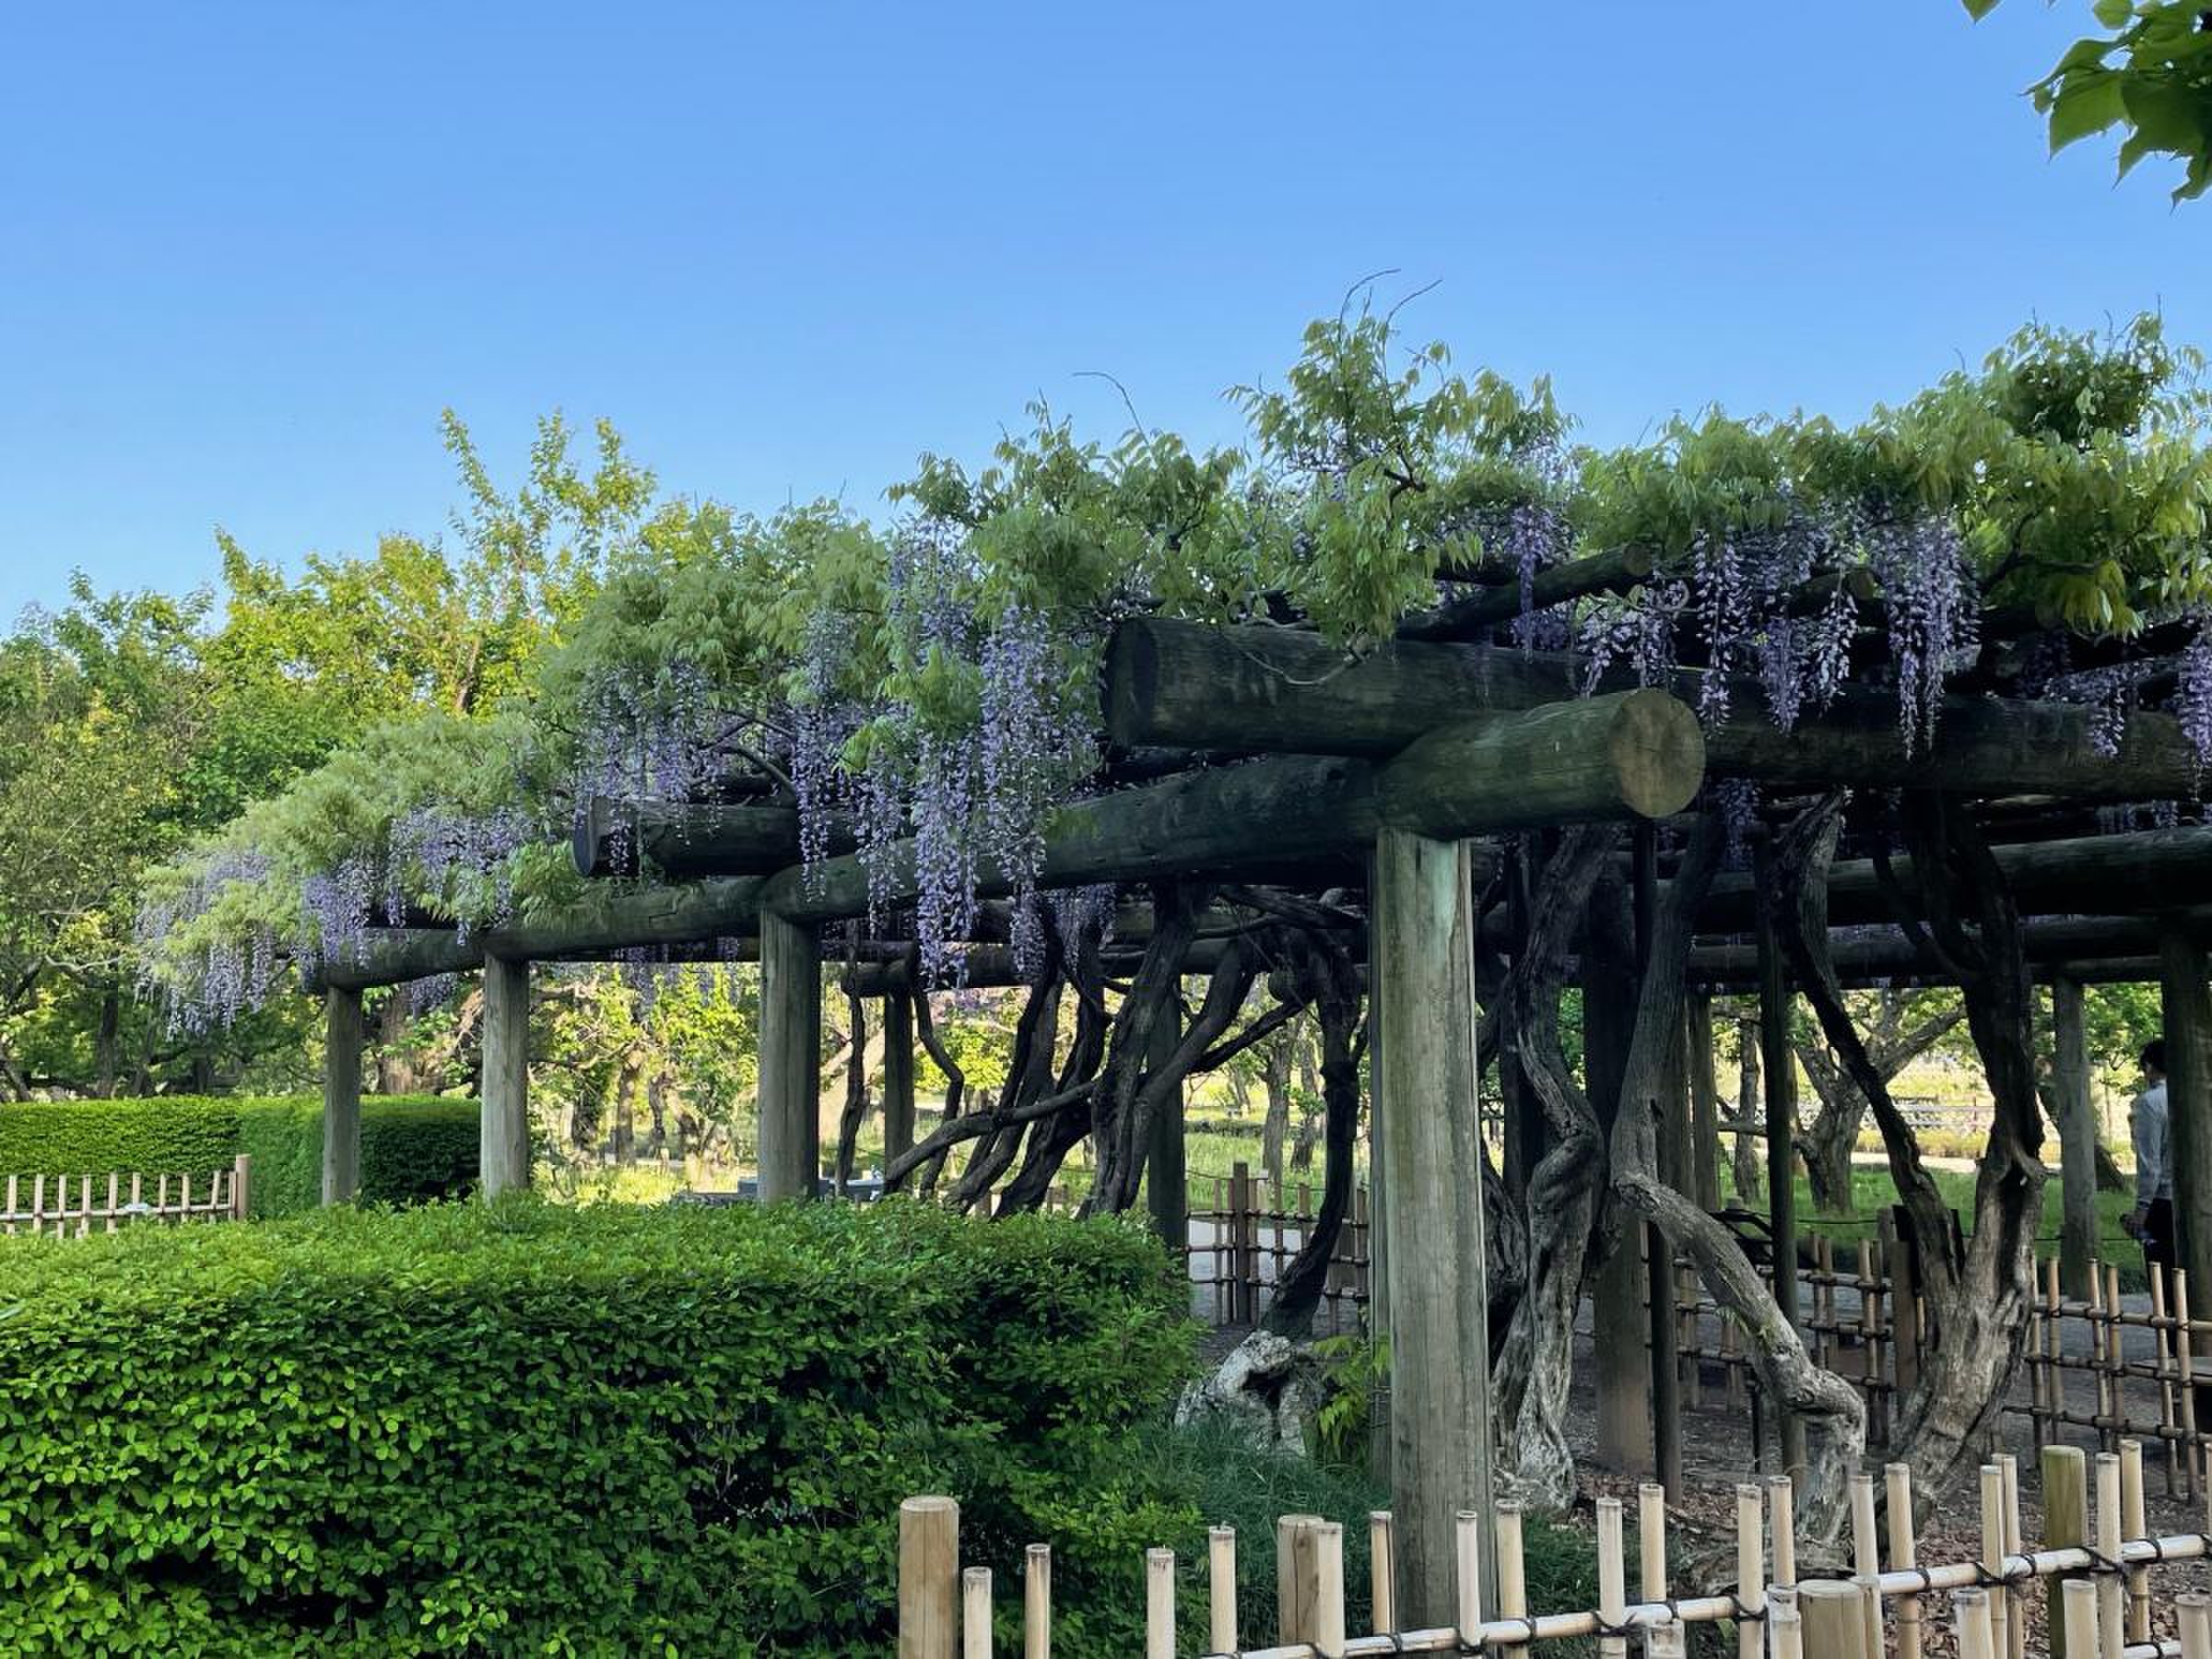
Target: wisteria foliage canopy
[(932, 673)]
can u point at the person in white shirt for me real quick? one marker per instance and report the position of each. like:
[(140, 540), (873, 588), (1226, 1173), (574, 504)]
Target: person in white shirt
[(2152, 1223)]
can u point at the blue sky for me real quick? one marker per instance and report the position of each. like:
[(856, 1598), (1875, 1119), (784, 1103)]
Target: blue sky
[(247, 252)]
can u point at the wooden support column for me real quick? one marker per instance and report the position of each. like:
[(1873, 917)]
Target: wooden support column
[(1671, 1129), (1527, 1132), (503, 1127), (1705, 1108), (341, 1095), (791, 1058), (2076, 1118), (1167, 1191), (1619, 1321), (1427, 1131), (897, 1074), (1777, 1060), (2188, 1020)]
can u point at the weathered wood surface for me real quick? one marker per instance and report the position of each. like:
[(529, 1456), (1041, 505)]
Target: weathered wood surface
[(1166, 1192), (1600, 758), (342, 1032), (614, 838), (504, 1129), (1468, 614), (789, 1138), (2138, 872), (1632, 754), (1778, 1064), (2076, 1116), (2187, 1005), (1190, 684), (897, 1074), (1424, 1118), (674, 914)]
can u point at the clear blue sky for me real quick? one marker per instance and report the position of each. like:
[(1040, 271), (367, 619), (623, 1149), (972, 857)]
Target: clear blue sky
[(247, 252)]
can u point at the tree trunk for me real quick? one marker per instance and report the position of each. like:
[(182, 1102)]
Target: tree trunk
[(1275, 1073), (1535, 1368), (1745, 1170), (1978, 1290), (107, 1044), (1331, 985)]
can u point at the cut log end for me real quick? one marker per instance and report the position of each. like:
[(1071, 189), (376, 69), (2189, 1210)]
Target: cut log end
[(1657, 751)]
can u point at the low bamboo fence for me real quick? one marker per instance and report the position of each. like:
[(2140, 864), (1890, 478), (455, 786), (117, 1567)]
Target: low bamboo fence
[(66, 1206), (1864, 1319), (1255, 1226), (2097, 1563)]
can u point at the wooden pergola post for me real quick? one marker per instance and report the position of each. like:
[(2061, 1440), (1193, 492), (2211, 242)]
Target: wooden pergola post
[(1705, 1108), (1427, 1127), (342, 1028), (2188, 1020), (503, 1128), (1166, 1188), (1777, 1062), (897, 1074), (791, 1058), (1619, 1321), (2078, 1235)]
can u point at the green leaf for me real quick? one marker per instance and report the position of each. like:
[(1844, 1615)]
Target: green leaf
[(1979, 9), (2114, 14), (2086, 104)]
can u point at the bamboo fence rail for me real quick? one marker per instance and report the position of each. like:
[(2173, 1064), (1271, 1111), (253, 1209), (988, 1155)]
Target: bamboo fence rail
[(1255, 1229), (2101, 1584), (74, 1205)]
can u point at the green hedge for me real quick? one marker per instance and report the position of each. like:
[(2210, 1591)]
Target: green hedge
[(413, 1147), (524, 1428)]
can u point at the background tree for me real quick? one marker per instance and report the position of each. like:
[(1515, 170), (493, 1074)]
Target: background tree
[(2150, 77)]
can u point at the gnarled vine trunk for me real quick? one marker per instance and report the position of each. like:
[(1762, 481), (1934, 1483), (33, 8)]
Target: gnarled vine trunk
[(1978, 1288)]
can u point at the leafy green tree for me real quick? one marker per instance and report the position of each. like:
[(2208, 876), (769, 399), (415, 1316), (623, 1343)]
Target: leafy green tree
[(2150, 77)]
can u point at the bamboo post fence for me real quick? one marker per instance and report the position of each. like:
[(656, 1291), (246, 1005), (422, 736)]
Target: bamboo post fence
[(74, 1207), (2096, 1563), (1255, 1227)]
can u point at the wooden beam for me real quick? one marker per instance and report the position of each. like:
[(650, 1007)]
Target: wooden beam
[(789, 1141), (504, 1129), (1630, 754), (2142, 872), (1467, 615), (2187, 1005), (2077, 1115), (616, 838), (1870, 951), (1604, 757), (342, 1027), (603, 923), (1195, 686), (1425, 1115)]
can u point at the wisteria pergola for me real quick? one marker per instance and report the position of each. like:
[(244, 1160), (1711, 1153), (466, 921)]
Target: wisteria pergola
[(1427, 803)]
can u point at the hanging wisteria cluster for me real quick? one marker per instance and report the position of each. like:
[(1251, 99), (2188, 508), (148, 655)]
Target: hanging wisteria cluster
[(466, 857), (936, 805), (1931, 606), (225, 974)]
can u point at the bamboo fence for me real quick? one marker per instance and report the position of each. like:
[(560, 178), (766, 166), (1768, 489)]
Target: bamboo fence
[(2096, 1563), (1255, 1226), (66, 1206)]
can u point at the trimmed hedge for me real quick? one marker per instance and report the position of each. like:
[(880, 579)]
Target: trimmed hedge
[(413, 1147), (523, 1429)]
